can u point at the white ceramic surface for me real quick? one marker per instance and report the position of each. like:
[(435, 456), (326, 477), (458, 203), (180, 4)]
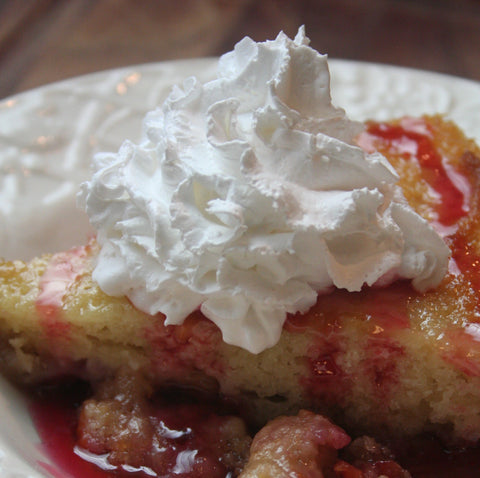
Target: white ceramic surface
[(48, 136)]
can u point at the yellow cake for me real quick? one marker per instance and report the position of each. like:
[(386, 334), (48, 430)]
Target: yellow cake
[(383, 361)]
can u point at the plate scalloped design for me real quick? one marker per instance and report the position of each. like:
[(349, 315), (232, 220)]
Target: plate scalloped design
[(48, 135)]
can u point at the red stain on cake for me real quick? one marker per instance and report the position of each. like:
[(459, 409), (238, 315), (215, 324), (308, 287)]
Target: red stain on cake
[(327, 384), (387, 314), (62, 271), (179, 348), (326, 380), (325, 367), (412, 138), (381, 364), (378, 313)]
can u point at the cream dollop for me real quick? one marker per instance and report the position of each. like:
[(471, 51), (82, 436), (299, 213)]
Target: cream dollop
[(247, 197)]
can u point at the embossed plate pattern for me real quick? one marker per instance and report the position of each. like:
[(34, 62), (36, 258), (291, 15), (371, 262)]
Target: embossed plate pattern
[(48, 136)]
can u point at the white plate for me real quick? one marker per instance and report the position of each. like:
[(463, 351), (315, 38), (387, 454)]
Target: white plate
[(48, 136)]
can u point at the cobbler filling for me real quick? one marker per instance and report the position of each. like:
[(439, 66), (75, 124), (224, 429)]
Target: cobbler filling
[(120, 432), (116, 432)]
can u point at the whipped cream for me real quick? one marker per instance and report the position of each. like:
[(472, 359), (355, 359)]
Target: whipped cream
[(247, 196)]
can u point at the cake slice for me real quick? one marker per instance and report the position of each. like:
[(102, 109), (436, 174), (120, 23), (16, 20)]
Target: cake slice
[(383, 361)]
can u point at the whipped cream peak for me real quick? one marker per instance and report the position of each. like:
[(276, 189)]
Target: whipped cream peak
[(247, 196)]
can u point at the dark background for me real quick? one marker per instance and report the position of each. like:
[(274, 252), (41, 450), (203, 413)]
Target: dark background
[(47, 40)]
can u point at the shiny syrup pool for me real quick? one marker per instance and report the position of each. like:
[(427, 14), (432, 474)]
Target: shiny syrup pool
[(54, 411)]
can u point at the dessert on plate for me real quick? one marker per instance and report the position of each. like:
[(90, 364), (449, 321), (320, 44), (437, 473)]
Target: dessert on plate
[(260, 247)]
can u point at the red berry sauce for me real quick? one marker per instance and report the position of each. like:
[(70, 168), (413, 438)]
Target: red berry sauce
[(412, 139), (192, 438)]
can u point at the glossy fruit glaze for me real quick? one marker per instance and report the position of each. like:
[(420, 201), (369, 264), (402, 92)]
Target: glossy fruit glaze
[(190, 444), (412, 139)]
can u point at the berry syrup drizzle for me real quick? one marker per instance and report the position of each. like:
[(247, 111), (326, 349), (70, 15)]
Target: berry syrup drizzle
[(412, 139), (458, 189)]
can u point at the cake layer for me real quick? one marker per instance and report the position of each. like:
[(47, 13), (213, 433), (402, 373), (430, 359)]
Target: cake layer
[(383, 360)]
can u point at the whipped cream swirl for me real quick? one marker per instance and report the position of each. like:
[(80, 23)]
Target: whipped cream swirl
[(247, 197)]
